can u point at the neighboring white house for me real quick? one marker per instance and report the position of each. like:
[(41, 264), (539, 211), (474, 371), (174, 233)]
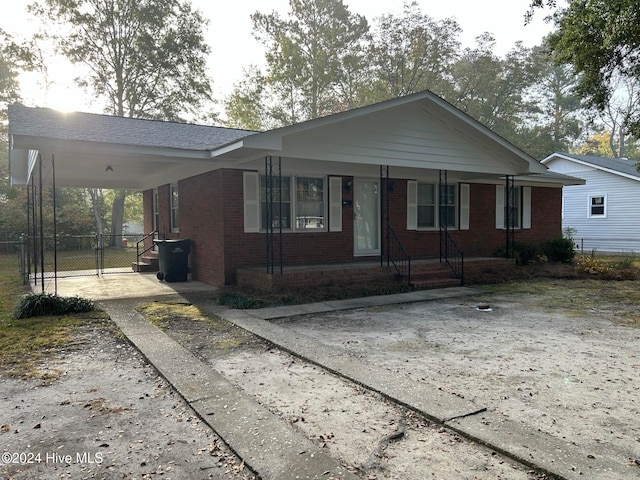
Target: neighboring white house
[(605, 211)]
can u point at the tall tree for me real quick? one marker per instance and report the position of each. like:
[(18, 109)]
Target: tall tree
[(601, 40), (616, 115), (309, 56), (413, 52), (556, 118), (147, 58), (12, 201), (601, 144), (492, 89), (246, 107)]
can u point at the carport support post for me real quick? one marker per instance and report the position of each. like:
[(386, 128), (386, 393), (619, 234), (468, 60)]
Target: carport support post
[(41, 208), (55, 225)]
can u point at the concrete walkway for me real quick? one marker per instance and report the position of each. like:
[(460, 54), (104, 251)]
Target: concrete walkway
[(274, 451)]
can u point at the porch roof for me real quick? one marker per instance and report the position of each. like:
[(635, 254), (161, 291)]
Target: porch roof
[(413, 134)]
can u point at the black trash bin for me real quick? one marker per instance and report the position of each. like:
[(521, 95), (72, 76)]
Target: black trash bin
[(173, 257)]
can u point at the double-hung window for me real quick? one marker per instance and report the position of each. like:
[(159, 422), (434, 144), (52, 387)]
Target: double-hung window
[(275, 201), (430, 205), (597, 206), (448, 206), (293, 203), (513, 209), (426, 205), (309, 203)]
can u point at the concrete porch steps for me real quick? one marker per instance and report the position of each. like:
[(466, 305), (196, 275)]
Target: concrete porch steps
[(429, 275), (148, 263)]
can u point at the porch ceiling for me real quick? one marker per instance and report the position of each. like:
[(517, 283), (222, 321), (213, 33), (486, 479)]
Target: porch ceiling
[(99, 165)]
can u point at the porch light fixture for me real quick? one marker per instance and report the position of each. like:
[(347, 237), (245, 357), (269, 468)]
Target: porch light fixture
[(109, 168), (347, 185), (391, 185)]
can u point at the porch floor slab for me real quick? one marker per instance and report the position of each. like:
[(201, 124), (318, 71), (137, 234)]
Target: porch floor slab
[(118, 286)]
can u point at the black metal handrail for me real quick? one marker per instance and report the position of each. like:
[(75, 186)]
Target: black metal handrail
[(452, 255), (398, 256), (141, 241)]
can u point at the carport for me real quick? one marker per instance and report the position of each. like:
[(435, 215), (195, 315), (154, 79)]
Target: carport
[(54, 149)]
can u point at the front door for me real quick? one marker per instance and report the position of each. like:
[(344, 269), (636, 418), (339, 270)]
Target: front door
[(366, 212)]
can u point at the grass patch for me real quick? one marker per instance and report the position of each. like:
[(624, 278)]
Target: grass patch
[(162, 313), (27, 344), (615, 299), (239, 300), (235, 297), (190, 326)]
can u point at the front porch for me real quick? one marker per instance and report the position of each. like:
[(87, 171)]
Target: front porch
[(425, 274)]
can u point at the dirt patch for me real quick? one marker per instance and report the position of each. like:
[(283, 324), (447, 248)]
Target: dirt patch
[(107, 415)]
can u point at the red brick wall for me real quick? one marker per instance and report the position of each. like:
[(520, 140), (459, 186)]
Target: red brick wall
[(482, 238), (212, 216), (249, 249), (147, 209), (201, 221)]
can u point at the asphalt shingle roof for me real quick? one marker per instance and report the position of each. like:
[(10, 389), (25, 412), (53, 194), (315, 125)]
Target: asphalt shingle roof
[(622, 165), (90, 127)]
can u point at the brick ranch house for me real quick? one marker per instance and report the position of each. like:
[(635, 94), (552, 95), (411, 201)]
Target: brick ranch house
[(412, 176)]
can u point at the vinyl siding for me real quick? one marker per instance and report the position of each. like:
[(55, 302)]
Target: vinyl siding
[(619, 230)]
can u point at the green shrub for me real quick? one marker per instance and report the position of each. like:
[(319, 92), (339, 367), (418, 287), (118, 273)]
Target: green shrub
[(525, 253), (560, 250), (239, 301), (42, 304)]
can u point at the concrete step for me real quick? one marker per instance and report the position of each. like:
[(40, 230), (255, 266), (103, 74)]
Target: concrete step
[(440, 282), (145, 265)]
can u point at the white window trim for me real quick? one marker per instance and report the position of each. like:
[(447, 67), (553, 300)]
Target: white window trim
[(591, 215), (461, 212), (173, 186)]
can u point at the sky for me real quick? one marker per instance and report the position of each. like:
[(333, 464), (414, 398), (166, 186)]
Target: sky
[(233, 46)]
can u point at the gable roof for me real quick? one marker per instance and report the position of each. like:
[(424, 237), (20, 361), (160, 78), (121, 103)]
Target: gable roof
[(416, 133), (617, 166), (435, 135)]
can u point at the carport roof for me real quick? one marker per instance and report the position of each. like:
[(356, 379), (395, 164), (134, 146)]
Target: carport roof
[(141, 153), (90, 127)]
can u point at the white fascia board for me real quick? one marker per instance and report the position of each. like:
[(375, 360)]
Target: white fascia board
[(592, 165), (268, 141)]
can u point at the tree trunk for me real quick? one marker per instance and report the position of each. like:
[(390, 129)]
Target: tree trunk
[(117, 218)]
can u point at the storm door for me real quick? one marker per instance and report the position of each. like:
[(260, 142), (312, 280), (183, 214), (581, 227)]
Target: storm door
[(366, 217)]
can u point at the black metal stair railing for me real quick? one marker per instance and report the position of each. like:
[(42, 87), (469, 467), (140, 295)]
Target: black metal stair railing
[(452, 255), (140, 244), (398, 256)]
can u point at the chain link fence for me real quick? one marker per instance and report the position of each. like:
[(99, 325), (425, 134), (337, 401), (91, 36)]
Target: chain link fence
[(75, 255), (607, 245)]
